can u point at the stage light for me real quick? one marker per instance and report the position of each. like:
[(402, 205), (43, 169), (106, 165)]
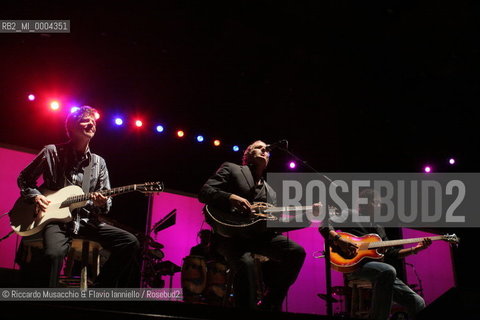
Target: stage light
[(159, 128), (74, 109), (96, 115), (180, 133), (138, 123), (54, 105), (427, 169), (451, 161), (292, 165), (118, 121), (216, 143), (31, 97), (236, 148), (200, 138)]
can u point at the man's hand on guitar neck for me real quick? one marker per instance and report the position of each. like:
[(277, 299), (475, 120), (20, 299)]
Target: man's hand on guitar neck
[(422, 245), (240, 204), (99, 200), (41, 204)]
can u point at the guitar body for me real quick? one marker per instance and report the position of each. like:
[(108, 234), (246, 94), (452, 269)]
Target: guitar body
[(230, 223), (263, 217), (343, 263), (24, 221)]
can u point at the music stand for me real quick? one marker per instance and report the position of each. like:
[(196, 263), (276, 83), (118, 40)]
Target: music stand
[(167, 221)]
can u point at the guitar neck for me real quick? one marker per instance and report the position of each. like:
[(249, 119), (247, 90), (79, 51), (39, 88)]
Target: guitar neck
[(288, 209), (394, 243), (108, 193)]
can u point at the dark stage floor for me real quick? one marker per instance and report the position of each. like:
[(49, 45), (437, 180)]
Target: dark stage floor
[(138, 310)]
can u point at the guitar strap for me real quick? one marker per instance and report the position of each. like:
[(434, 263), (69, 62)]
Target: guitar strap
[(87, 176), (86, 189)]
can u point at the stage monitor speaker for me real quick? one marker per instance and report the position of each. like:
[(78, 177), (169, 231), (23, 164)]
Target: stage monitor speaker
[(456, 303)]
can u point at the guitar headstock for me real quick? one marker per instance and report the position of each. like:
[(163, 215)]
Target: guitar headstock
[(451, 238), (150, 187)]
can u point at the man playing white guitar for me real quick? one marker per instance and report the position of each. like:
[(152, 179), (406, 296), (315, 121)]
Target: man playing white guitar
[(69, 164)]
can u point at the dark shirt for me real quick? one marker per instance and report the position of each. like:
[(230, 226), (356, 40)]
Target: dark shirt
[(234, 179), (260, 192), (60, 166), (231, 179)]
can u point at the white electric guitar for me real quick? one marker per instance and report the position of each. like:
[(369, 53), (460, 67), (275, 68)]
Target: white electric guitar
[(25, 222)]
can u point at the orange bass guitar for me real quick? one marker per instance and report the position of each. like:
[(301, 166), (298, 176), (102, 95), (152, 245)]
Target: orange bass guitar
[(368, 246)]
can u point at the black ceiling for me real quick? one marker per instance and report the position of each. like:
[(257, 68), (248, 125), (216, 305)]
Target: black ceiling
[(353, 86)]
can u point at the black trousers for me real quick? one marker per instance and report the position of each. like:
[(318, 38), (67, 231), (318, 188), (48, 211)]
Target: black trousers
[(122, 245), (286, 260)]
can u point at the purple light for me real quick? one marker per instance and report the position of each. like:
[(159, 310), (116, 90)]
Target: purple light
[(118, 121), (451, 161), (292, 165), (74, 109), (427, 169), (31, 97)]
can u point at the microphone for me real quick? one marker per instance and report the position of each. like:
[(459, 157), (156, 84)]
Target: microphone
[(281, 144), (89, 127)]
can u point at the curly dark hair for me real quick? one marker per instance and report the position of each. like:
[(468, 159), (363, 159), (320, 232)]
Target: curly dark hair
[(75, 116)]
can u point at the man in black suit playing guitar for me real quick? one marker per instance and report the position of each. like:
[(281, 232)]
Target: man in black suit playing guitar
[(66, 164), (237, 187)]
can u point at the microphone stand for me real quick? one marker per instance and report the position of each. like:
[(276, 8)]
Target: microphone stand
[(420, 286), (328, 269), (143, 280)]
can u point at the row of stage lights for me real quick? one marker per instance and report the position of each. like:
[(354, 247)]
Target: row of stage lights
[(138, 123), (119, 121), (429, 169)]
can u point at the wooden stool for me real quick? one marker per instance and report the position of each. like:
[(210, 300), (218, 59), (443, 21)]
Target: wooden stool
[(260, 286), (81, 249), (87, 252), (361, 298)]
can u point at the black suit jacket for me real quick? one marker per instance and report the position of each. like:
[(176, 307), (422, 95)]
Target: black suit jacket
[(229, 179)]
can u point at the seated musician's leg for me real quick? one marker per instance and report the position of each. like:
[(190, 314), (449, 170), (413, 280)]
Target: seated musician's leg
[(382, 276), (124, 253), (242, 265), (287, 259), (56, 244), (408, 298)]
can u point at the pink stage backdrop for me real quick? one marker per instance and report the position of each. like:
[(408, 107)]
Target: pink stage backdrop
[(11, 163), (436, 277), (433, 266)]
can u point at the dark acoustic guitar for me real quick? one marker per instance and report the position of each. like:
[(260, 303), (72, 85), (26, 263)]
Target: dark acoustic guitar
[(231, 223)]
